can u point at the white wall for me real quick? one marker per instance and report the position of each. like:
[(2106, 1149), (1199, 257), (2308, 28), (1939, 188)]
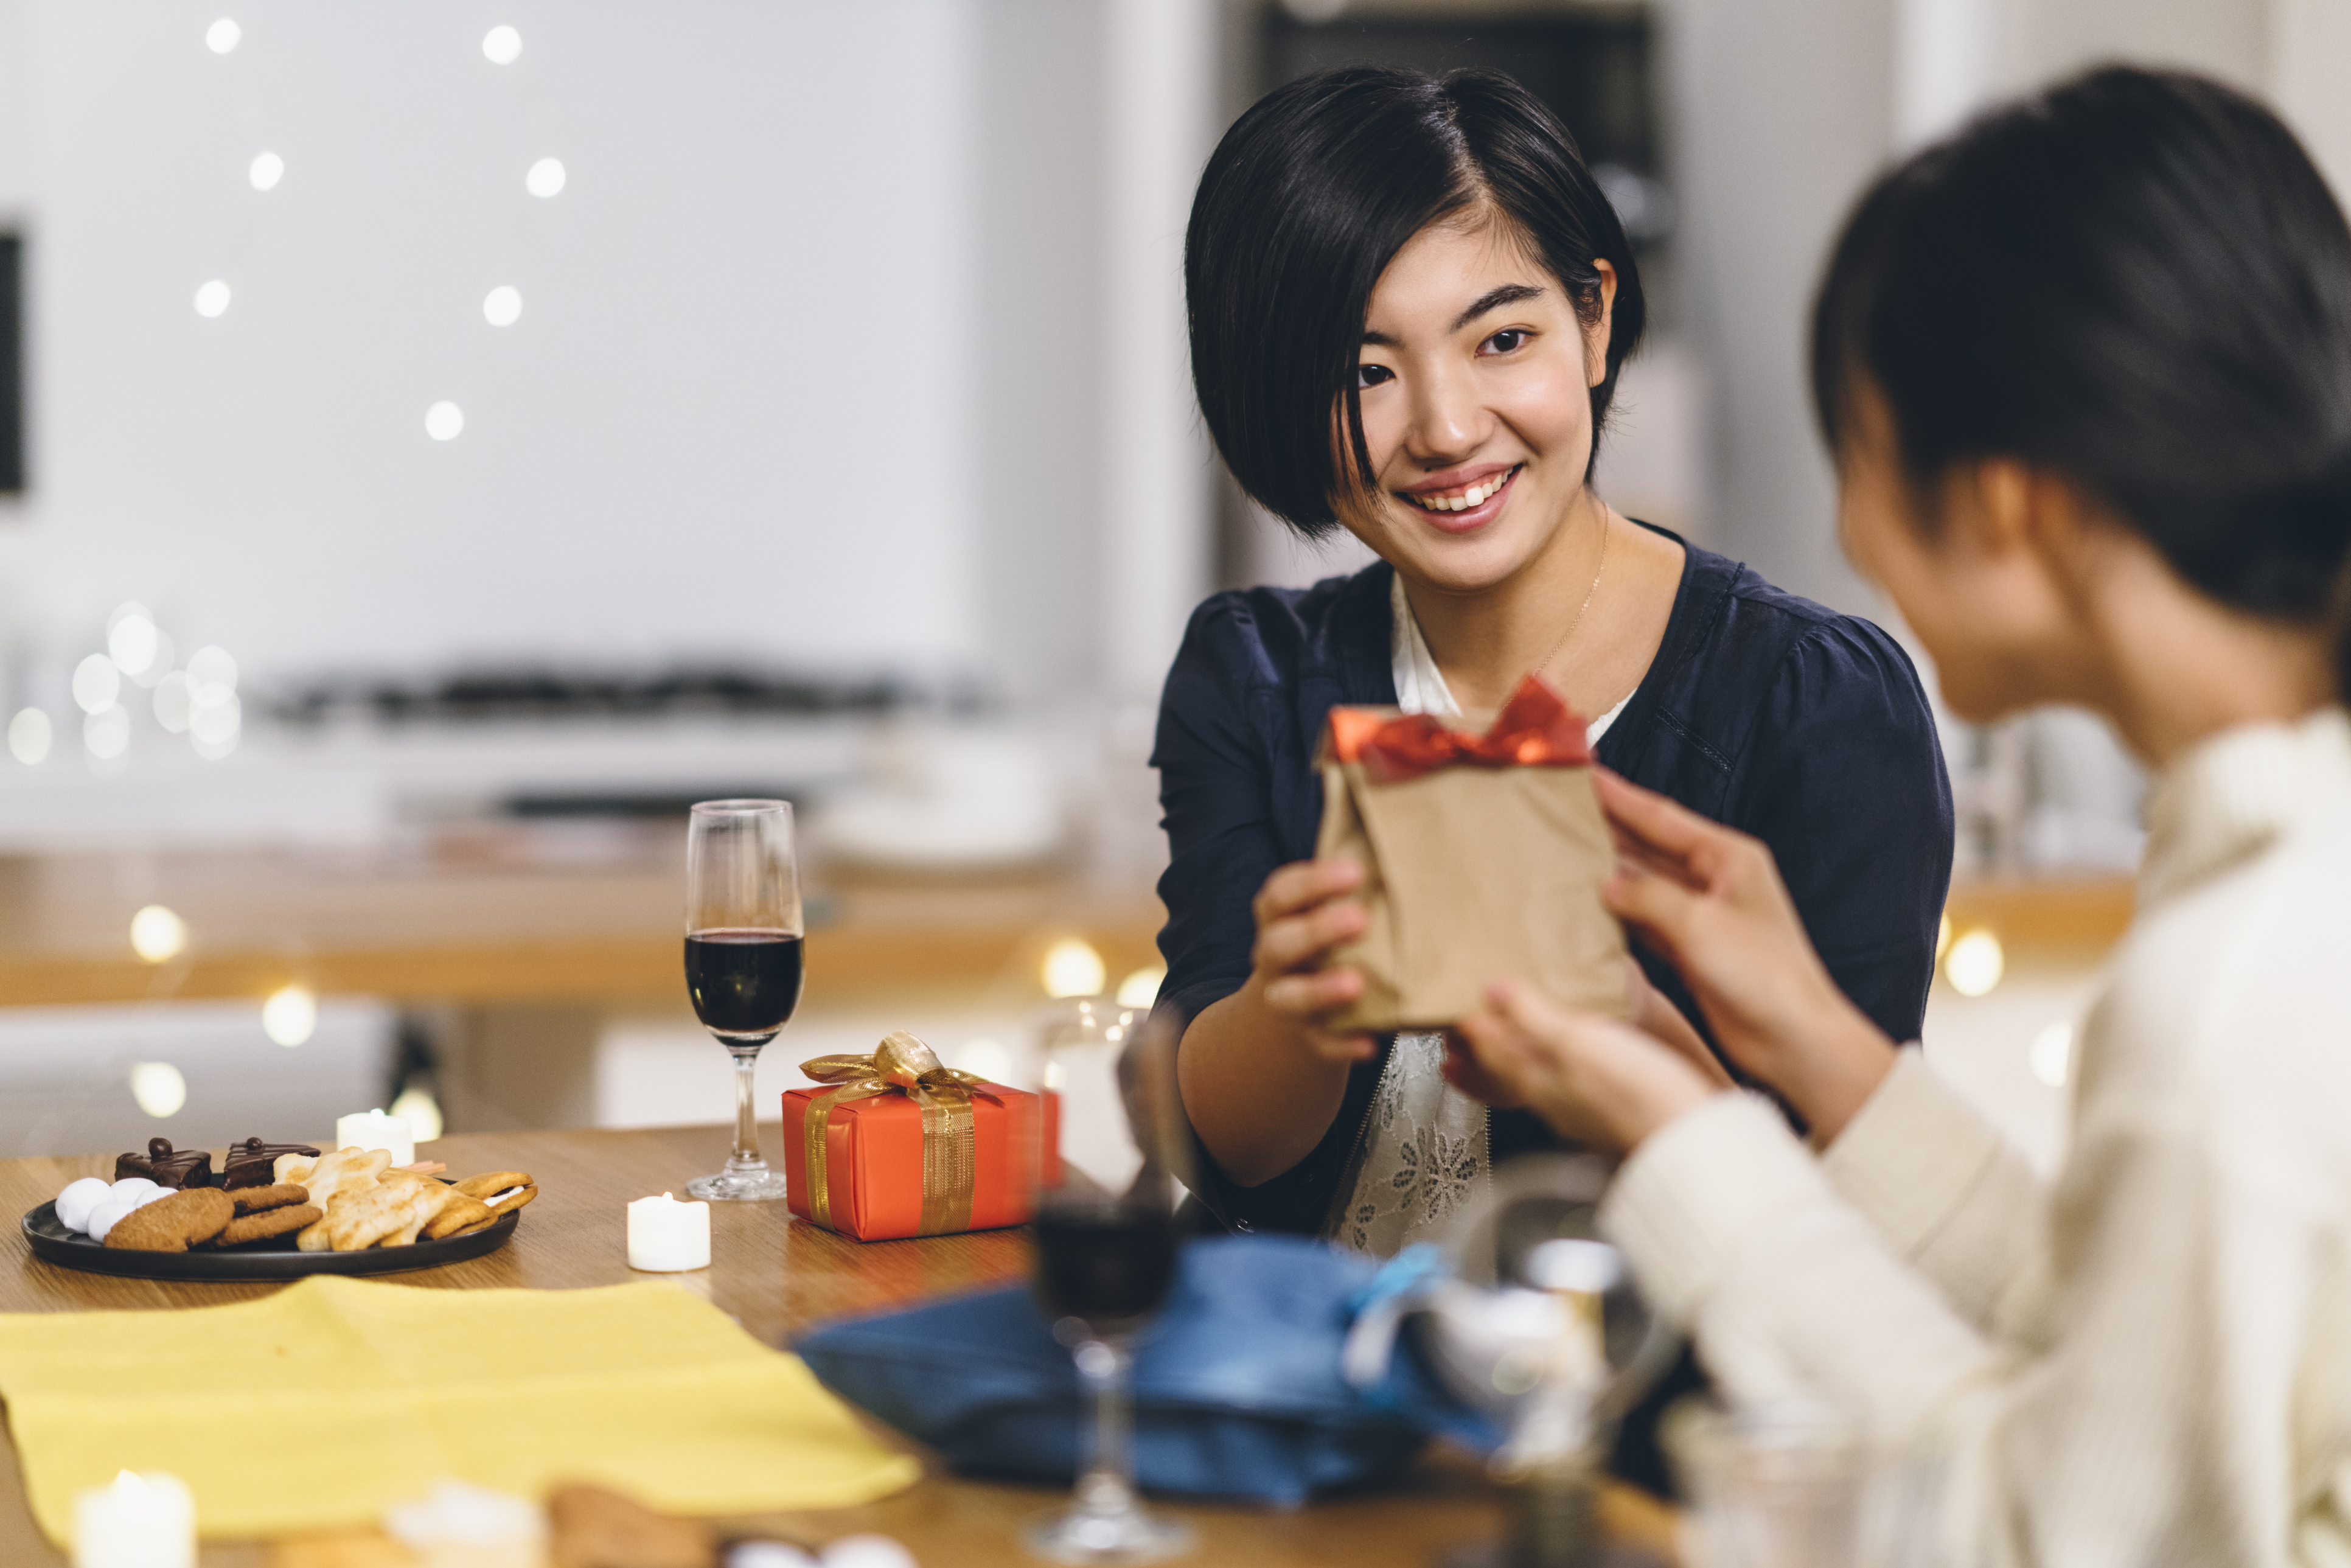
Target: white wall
[(1776, 114), (2309, 58), (1780, 114), (735, 412), (1159, 77)]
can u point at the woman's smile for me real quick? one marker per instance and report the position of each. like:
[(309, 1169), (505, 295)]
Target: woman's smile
[(1466, 501)]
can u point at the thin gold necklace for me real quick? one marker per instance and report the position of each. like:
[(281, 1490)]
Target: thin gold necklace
[(1544, 663)]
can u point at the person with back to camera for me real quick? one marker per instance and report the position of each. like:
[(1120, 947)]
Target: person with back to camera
[(2086, 372), (1409, 303)]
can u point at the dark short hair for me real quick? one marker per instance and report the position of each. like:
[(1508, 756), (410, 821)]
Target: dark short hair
[(2137, 280), (1305, 201)]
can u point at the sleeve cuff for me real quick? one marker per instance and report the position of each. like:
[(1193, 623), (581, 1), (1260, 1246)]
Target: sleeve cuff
[(1691, 1196), (1911, 1157)]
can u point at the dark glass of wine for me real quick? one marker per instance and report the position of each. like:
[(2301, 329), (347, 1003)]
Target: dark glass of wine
[(1105, 1257), (743, 932)]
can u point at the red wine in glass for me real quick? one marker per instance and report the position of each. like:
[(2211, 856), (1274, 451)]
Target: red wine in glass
[(744, 984), (1109, 1264), (1105, 1258), (743, 960)]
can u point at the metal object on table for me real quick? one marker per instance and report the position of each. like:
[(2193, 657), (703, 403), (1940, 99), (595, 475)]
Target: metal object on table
[(1538, 1324)]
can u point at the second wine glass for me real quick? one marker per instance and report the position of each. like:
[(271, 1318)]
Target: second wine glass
[(1105, 1258), (743, 963)]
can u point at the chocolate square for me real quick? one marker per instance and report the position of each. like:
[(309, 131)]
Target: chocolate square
[(161, 1165), (255, 1164)]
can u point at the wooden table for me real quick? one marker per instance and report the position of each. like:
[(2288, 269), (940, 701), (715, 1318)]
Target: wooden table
[(779, 1278)]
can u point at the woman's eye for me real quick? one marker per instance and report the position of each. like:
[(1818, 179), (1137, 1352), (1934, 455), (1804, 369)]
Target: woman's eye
[(1509, 339), (1371, 375)]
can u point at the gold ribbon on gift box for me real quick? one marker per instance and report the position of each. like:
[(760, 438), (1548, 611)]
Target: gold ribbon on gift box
[(901, 1064)]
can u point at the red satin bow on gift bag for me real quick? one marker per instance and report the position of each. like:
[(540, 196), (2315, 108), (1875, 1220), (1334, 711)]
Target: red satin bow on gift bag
[(1535, 729)]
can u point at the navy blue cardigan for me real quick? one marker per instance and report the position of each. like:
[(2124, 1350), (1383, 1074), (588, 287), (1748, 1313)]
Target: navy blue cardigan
[(1763, 710)]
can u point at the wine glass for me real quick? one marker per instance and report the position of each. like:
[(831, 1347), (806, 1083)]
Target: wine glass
[(1105, 1257), (743, 968)]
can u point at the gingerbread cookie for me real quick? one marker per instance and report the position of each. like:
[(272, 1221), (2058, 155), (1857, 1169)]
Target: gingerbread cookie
[(187, 1218), (164, 1167), (278, 1194), (254, 1163), (266, 1223)]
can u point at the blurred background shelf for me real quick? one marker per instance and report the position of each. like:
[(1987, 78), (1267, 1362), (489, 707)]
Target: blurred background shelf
[(2044, 918), (257, 923)]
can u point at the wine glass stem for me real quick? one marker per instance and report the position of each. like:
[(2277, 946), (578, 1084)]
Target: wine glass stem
[(1107, 1487), (747, 1120)]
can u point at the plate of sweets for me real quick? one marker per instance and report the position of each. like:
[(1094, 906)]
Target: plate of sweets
[(273, 1211)]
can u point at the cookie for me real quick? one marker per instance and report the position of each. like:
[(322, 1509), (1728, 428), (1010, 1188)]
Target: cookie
[(594, 1528), (255, 1164), (165, 1167), (278, 1194), (325, 1176), (174, 1224), (361, 1218), (266, 1223), (504, 1191), (460, 1212)]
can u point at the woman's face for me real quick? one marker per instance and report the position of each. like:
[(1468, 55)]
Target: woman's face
[(1476, 379), (1970, 580)]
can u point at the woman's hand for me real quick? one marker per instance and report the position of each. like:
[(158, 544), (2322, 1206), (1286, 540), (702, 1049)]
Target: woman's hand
[(1261, 1078), (1711, 901), (1654, 1014), (1593, 1079), (1302, 913)]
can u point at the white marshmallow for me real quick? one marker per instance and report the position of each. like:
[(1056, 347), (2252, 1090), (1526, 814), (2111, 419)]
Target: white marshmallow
[(120, 1203), (79, 1197), (104, 1217)]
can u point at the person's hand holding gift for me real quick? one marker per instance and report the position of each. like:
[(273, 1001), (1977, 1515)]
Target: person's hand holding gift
[(1305, 911), (1711, 899)]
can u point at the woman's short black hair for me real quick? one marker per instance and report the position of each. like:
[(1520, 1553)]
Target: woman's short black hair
[(2136, 279), (1303, 204)]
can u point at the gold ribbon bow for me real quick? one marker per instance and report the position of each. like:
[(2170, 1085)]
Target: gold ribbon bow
[(901, 1064)]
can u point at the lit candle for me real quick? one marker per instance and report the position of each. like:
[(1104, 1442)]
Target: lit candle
[(667, 1237), (374, 1130), (145, 1521)]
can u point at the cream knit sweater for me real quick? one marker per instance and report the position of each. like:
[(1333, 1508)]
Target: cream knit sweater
[(2150, 1361)]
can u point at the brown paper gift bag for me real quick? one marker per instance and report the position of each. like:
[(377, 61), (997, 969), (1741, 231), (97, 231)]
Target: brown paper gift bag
[(1484, 856)]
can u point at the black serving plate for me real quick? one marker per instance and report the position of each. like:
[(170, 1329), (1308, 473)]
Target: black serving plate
[(274, 1259)]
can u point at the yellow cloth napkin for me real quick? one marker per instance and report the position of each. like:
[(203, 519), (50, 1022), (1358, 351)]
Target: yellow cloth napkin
[(313, 1408)]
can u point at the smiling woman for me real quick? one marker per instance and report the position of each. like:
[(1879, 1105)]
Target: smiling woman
[(1409, 303)]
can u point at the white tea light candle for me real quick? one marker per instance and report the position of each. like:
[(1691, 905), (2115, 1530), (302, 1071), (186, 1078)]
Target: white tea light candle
[(667, 1237), (143, 1521), (374, 1130)]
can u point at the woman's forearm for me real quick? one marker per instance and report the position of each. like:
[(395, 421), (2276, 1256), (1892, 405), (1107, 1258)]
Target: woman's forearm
[(1259, 1098)]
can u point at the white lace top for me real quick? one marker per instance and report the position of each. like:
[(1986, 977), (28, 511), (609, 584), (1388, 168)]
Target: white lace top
[(1424, 1146)]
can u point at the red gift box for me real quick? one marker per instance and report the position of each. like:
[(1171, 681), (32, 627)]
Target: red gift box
[(893, 1144)]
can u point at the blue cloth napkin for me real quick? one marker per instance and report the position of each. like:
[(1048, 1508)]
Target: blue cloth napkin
[(1238, 1387)]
